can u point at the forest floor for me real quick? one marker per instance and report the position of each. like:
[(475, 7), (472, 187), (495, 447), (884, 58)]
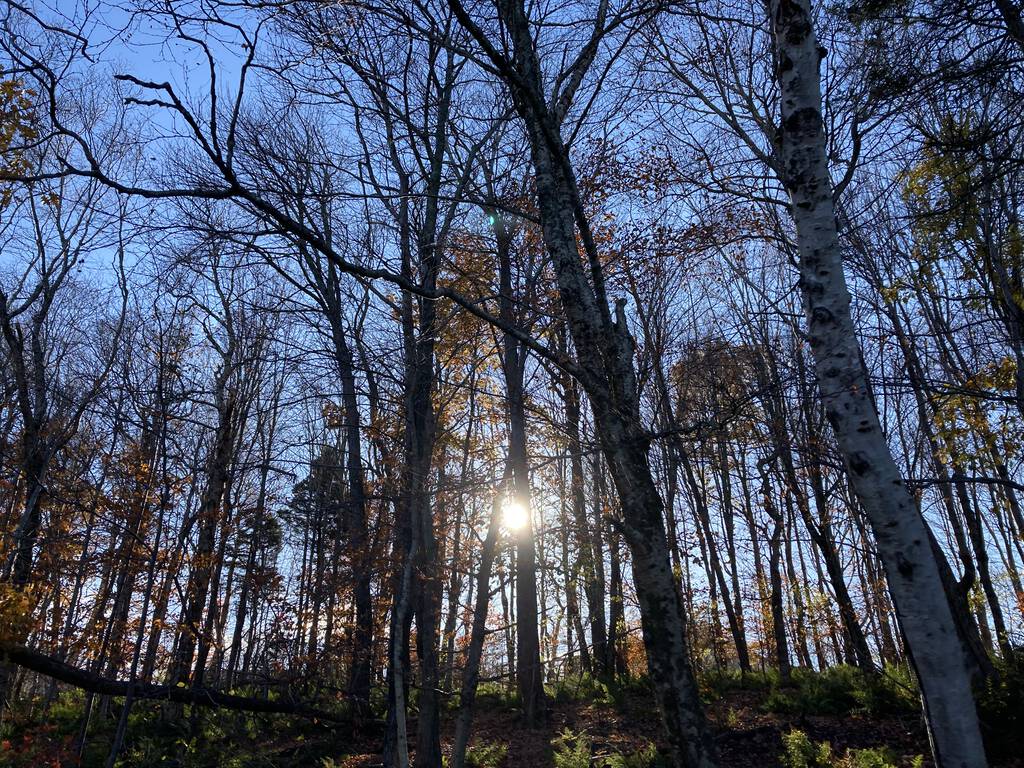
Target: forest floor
[(621, 731), (839, 718), (744, 734)]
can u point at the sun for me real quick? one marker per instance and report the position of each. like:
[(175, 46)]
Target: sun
[(515, 515)]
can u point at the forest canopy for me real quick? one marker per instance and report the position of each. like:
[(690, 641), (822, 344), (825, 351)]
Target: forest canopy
[(452, 382)]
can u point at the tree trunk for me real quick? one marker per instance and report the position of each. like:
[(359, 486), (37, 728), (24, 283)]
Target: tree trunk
[(208, 515), (616, 662), (471, 672), (901, 534), (362, 565), (715, 562), (605, 351), (587, 542), (529, 671), (775, 570)]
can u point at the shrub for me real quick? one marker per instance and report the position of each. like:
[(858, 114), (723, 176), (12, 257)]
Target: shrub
[(582, 687), (800, 752), (892, 692), (496, 696), (842, 690), (623, 693), (716, 683)]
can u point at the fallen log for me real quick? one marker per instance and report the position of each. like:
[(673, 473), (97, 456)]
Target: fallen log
[(201, 697)]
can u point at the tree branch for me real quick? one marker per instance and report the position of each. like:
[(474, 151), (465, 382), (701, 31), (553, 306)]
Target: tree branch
[(201, 697)]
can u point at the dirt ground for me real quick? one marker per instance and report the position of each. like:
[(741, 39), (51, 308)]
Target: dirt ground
[(746, 736)]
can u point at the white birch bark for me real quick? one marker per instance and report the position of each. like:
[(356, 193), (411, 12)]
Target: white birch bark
[(900, 531)]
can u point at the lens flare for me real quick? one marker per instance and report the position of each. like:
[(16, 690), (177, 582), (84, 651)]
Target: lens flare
[(515, 515)]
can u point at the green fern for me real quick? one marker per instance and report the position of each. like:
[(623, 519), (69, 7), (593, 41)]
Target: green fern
[(571, 750)]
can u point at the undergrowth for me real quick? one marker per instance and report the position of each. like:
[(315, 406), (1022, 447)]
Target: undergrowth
[(623, 693), (36, 734), (490, 754), (800, 752), (839, 690), (572, 749), (52, 736), (1001, 707)]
